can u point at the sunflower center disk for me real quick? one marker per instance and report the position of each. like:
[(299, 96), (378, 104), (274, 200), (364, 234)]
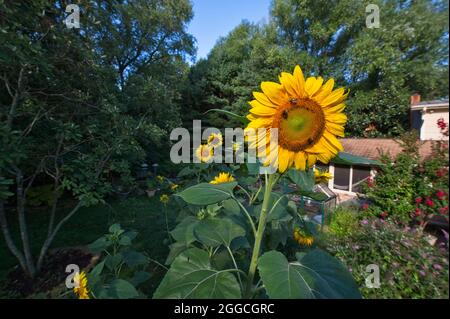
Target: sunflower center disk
[(300, 125)]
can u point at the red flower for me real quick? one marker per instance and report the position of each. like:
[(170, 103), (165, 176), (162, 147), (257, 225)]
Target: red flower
[(442, 210), (418, 212), (440, 172), (370, 182), (418, 200), (440, 194), (365, 206), (441, 123), (429, 202), (384, 214)]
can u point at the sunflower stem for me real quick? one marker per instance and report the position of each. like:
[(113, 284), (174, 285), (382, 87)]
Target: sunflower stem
[(270, 183)]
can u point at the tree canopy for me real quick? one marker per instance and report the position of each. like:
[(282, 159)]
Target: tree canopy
[(382, 66)]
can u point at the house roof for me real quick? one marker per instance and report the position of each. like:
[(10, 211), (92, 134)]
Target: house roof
[(443, 103), (371, 147)]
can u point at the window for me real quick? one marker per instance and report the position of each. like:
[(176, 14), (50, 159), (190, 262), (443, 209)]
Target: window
[(360, 174), (341, 177)]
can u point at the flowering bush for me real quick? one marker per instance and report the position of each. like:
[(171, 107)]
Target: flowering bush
[(409, 266), (410, 189)]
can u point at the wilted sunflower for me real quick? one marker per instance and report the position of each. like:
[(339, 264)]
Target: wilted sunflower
[(303, 238), (215, 140), (204, 153), (222, 178), (81, 289), (308, 116), (322, 177)]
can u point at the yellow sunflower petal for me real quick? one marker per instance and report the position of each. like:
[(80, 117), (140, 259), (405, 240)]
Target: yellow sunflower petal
[(334, 98), (290, 83), (313, 85), (263, 99), (335, 129), (324, 157), (338, 118), (298, 74), (324, 91), (260, 122), (275, 92), (311, 160), (334, 109), (327, 147), (300, 161), (284, 159), (333, 140), (261, 109)]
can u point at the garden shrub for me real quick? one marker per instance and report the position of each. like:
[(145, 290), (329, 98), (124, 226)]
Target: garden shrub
[(344, 221), (409, 266), (408, 188), (121, 271)]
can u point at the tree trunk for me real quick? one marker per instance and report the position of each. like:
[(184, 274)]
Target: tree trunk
[(30, 269), (8, 239)]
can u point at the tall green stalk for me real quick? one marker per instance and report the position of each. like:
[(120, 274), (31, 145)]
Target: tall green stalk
[(270, 183)]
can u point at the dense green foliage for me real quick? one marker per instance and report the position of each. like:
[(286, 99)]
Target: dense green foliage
[(382, 66), (409, 266)]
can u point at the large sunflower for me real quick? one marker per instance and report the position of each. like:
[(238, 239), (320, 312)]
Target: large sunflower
[(308, 116)]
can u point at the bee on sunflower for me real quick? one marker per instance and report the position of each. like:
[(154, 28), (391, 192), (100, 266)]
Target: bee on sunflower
[(308, 116)]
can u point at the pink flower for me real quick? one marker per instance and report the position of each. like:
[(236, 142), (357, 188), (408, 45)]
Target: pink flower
[(364, 222), (429, 202), (418, 200), (437, 267)]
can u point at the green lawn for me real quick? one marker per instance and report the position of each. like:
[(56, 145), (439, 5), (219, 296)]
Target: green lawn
[(142, 214)]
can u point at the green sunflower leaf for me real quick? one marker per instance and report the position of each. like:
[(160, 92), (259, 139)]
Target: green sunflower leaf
[(315, 275), (207, 194), (191, 276)]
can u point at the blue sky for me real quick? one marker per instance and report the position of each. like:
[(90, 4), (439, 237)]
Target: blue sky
[(216, 18)]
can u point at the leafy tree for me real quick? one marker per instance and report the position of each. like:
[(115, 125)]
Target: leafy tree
[(79, 108), (381, 66)]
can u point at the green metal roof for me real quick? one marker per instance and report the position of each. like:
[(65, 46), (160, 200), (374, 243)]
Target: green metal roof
[(350, 159)]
